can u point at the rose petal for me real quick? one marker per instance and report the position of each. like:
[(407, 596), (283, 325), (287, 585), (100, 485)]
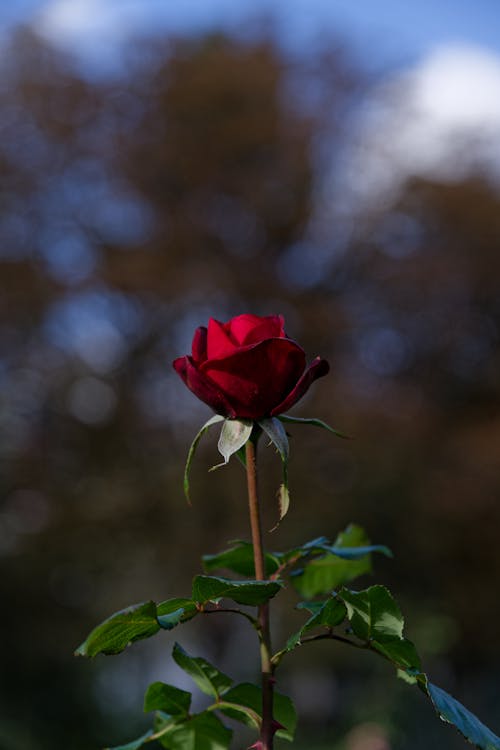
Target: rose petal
[(250, 329), (199, 346), (203, 387), (271, 327), (219, 342), (316, 369), (256, 378)]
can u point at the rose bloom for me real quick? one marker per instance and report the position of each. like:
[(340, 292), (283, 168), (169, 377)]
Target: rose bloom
[(248, 367)]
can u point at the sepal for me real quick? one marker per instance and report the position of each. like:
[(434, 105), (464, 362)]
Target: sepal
[(234, 435), (314, 422), (192, 450), (275, 431)]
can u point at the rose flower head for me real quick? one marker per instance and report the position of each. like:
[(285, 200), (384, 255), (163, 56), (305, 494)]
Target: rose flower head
[(248, 368)]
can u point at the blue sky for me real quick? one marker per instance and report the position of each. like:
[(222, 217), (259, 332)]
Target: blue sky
[(386, 32)]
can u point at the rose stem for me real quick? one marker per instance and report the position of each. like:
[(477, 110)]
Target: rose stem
[(266, 736)]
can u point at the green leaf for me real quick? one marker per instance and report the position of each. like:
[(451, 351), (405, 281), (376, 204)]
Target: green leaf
[(114, 634), (239, 559), (205, 675), (451, 711), (239, 712), (314, 422), (213, 420), (344, 547), (356, 553), (408, 675), (376, 618), (163, 724), (373, 614), (203, 731), (234, 434), (168, 698), (209, 588), (135, 744), (250, 696), (172, 612), (312, 607), (277, 434), (326, 572), (402, 653), (329, 615)]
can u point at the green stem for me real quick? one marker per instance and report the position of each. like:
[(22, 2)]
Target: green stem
[(267, 729), (278, 656)]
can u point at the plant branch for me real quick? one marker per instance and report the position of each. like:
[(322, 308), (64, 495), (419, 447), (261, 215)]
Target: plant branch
[(278, 656), (229, 610), (334, 637), (267, 667), (288, 564)]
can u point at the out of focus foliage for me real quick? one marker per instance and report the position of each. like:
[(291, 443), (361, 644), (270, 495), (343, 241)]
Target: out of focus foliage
[(200, 183)]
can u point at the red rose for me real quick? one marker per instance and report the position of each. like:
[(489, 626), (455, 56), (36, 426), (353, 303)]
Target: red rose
[(248, 367)]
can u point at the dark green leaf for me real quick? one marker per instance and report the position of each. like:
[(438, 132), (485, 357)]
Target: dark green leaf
[(238, 559), (206, 676), (347, 546), (174, 611), (240, 712), (452, 711), (354, 538), (164, 723), (203, 731), (114, 634), (355, 553), (312, 607), (373, 614), (314, 422), (376, 618), (168, 698), (401, 652), (234, 434), (328, 571), (250, 695), (192, 450), (324, 574), (340, 548), (329, 615), (253, 593)]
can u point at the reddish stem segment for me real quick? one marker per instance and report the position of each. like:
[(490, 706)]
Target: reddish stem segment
[(267, 730)]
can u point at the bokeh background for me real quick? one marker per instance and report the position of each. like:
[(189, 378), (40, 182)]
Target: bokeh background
[(336, 162)]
